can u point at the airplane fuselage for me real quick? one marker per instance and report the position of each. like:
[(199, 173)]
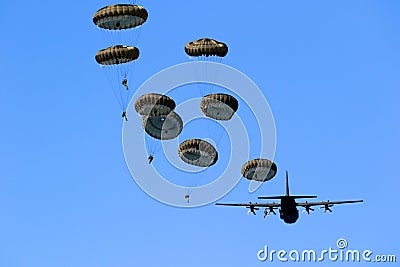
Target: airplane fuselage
[(288, 211)]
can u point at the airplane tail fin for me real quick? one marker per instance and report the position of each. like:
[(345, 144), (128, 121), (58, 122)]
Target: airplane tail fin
[(287, 189), (287, 183), (287, 192)]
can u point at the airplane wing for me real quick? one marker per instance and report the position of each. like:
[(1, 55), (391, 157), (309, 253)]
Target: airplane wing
[(249, 204), (322, 203)]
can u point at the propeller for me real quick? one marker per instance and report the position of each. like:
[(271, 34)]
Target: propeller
[(269, 210), (307, 209), (251, 208), (326, 207)]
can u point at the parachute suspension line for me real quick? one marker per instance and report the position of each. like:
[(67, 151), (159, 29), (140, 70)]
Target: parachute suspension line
[(210, 86), (120, 77), (130, 66), (113, 36), (112, 86), (118, 37), (197, 74), (207, 84), (122, 89), (218, 140), (127, 99), (149, 144), (117, 71), (202, 173), (122, 37), (156, 146), (153, 145), (122, 73), (215, 59), (218, 60), (136, 38)]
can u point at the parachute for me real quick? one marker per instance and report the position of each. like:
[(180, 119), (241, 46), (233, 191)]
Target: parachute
[(208, 50), (206, 47), (117, 54), (154, 104), (219, 106), (214, 105), (118, 58), (198, 152), (260, 170), (120, 17), (163, 127), (158, 119)]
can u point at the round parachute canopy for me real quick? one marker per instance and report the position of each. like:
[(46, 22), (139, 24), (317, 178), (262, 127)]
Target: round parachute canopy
[(260, 170), (163, 127), (117, 54), (219, 106), (120, 17), (206, 47), (154, 104), (198, 152)]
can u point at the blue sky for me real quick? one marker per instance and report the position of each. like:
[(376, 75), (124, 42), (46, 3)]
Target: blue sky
[(329, 70)]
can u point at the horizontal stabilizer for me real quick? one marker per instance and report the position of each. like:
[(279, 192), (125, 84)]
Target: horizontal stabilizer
[(280, 197), (272, 197), (304, 196)]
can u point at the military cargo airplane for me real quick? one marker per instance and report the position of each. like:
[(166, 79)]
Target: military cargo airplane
[(288, 211)]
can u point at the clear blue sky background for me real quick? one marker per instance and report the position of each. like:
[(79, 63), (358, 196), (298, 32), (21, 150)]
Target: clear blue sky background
[(329, 69)]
